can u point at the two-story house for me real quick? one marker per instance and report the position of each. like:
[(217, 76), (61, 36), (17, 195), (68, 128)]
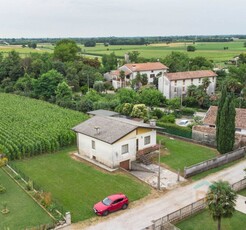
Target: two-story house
[(176, 84), (151, 69)]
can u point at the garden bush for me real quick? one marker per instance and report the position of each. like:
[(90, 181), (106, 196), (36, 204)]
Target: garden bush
[(2, 189), (188, 111), (170, 118)]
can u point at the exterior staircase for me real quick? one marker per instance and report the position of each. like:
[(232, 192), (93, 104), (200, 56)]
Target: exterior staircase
[(145, 159)]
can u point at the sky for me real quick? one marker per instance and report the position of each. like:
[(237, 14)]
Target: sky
[(120, 18)]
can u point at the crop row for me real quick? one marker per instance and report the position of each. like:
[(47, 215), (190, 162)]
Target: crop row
[(29, 127)]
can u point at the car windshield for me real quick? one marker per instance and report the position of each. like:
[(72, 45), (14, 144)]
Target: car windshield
[(107, 201), (184, 122)]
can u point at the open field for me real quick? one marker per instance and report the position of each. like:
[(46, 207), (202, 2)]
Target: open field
[(180, 153), (211, 50), (203, 221), (26, 51), (21, 207), (76, 185), (29, 127)]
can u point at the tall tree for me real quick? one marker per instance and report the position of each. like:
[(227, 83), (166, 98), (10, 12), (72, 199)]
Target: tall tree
[(66, 50), (177, 62), (221, 200), (45, 86), (122, 77), (109, 62), (225, 123)]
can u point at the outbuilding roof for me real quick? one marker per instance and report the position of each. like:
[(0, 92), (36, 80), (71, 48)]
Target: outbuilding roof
[(240, 119), (103, 112), (109, 129), (190, 75)]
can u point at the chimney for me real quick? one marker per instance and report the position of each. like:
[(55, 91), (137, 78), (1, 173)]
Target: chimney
[(152, 122), (97, 128)]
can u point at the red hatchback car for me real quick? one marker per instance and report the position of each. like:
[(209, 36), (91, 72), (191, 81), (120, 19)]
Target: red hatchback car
[(110, 204)]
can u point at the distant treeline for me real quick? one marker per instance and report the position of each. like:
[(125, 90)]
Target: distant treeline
[(128, 40)]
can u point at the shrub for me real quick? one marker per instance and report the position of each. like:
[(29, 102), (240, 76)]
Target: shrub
[(139, 110), (46, 199), (127, 109), (191, 48), (170, 118), (2, 189), (3, 161), (17, 177), (157, 113), (29, 185), (188, 111)]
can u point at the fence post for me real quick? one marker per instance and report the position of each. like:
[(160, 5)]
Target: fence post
[(68, 218)]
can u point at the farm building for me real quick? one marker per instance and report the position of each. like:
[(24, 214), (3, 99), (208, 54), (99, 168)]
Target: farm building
[(152, 69), (115, 142), (207, 132), (176, 84)]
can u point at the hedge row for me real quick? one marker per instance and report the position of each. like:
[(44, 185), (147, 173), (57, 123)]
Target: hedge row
[(176, 130)]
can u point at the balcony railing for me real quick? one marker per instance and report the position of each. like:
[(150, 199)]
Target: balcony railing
[(148, 150)]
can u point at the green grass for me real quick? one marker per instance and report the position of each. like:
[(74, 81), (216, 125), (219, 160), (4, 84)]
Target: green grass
[(242, 192), (181, 153), (204, 221), (24, 212), (211, 50), (77, 186)]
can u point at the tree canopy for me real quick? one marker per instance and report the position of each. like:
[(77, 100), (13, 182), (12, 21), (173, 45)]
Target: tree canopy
[(66, 50), (221, 201)]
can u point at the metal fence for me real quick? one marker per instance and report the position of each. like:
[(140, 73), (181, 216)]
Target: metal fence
[(213, 163)]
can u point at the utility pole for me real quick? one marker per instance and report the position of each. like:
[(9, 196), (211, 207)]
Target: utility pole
[(159, 169), (88, 85)]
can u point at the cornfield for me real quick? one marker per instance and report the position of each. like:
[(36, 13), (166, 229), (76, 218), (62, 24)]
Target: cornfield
[(30, 127)]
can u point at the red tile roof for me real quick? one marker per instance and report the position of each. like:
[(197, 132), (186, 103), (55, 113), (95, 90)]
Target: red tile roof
[(117, 72), (190, 75), (240, 119), (146, 66)]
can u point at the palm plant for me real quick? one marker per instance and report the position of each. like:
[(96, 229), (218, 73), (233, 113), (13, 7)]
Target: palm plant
[(221, 200)]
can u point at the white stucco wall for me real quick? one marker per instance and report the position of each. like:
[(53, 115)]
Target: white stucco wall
[(164, 86), (140, 137), (168, 87), (111, 155)]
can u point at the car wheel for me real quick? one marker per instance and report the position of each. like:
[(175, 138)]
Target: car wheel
[(124, 206), (105, 213)]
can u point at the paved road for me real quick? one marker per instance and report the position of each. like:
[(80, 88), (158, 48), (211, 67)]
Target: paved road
[(141, 216)]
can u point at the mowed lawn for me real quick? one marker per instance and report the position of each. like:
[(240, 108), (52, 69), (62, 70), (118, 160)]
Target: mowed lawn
[(24, 212), (204, 221), (78, 186), (177, 153)]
